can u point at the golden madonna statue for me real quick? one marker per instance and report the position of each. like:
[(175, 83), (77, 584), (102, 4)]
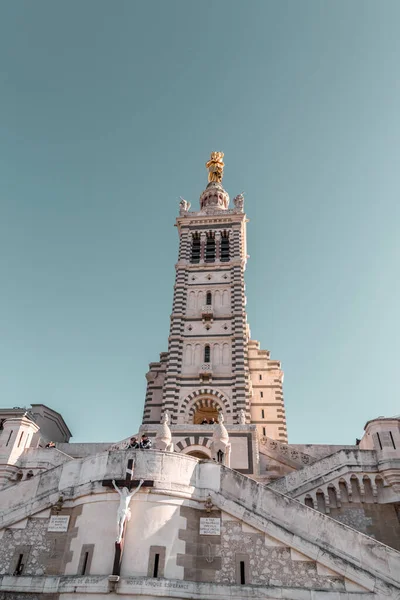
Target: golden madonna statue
[(215, 167)]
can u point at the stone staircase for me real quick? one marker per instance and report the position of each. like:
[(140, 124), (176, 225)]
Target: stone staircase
[(335, 546)]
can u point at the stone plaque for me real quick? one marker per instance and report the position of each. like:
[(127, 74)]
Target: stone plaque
[(210, 526), (57, 523)]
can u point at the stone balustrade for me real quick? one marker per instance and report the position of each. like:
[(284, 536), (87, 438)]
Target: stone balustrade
[(294, 483), (207, 309), (290, 455)]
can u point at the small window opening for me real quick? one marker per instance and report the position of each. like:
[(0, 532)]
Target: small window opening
[(156, 563), (262, 414), (20, 566), (1, 424), (309, 502), (210, 247), (195, 248), (208, 299), (224, 247), (85, 562), (242, 573), (264, 432), (220, 456), (260, 377), (391, 437), (261, 394), (20, 439), (207, 354), (379, 440), (9, 437)]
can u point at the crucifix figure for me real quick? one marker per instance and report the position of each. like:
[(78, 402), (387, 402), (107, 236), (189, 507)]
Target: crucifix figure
[(124, 512), (126, 488)]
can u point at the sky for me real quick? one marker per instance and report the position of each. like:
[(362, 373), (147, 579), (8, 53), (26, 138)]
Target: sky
[(108, 113)]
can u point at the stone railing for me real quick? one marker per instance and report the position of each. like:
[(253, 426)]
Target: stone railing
[(284, 451), (207, 309), (207, 312), (359, 459)]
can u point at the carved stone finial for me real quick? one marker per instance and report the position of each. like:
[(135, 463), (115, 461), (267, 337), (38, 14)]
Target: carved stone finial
[(220, 445), (220, 434), (164, 437), (215, 167)]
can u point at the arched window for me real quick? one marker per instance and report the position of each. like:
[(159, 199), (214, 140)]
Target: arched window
[(210, 247), (208, 299), (224, 246), (207, 355), (195, 258), (308, 501)]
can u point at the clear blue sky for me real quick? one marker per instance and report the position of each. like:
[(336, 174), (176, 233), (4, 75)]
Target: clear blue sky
[(109, 111)]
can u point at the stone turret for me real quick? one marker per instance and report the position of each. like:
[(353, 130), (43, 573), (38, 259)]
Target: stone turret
[(383, 436), (16, 435)]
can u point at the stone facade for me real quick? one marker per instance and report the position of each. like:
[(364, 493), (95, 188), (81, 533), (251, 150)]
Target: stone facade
[(224, 511)]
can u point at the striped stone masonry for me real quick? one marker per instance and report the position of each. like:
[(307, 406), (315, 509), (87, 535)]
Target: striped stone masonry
[(211, 366)]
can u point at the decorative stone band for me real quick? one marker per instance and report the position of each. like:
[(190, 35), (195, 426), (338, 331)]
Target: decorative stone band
[(287, 453), (194, 441), (219, 396), (203, 403)]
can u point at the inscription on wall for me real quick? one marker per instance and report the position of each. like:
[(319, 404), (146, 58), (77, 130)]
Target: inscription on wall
[(210, 526), (58, 523)]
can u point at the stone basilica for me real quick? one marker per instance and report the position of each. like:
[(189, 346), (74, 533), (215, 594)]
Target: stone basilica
[(221, 505)]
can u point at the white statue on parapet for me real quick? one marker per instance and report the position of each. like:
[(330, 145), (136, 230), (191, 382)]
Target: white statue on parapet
[(184, 206), (238, 202), (124, 512), (164, 436), (220, 445), (242, 417)]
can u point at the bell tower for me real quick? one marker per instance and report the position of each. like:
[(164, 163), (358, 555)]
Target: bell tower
[(211, 365)]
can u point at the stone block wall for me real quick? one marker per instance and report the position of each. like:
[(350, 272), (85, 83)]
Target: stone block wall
[(44, 552), (268, 562), (380, 521), (202, 558)]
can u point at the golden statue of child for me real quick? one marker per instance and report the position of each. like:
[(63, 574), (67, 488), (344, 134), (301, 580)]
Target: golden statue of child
[(215, 167)]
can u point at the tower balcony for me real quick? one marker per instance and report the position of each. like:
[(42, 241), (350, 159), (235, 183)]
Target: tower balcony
[(207, 312), (206, 372)]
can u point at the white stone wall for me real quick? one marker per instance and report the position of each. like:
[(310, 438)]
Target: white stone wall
[(155, 522)]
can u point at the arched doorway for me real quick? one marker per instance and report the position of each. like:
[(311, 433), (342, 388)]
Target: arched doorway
[(198, 454), (191, 448), (204, 398), (205, 413)]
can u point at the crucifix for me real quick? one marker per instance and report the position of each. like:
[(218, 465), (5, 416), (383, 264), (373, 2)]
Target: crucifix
[(126, 488)]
